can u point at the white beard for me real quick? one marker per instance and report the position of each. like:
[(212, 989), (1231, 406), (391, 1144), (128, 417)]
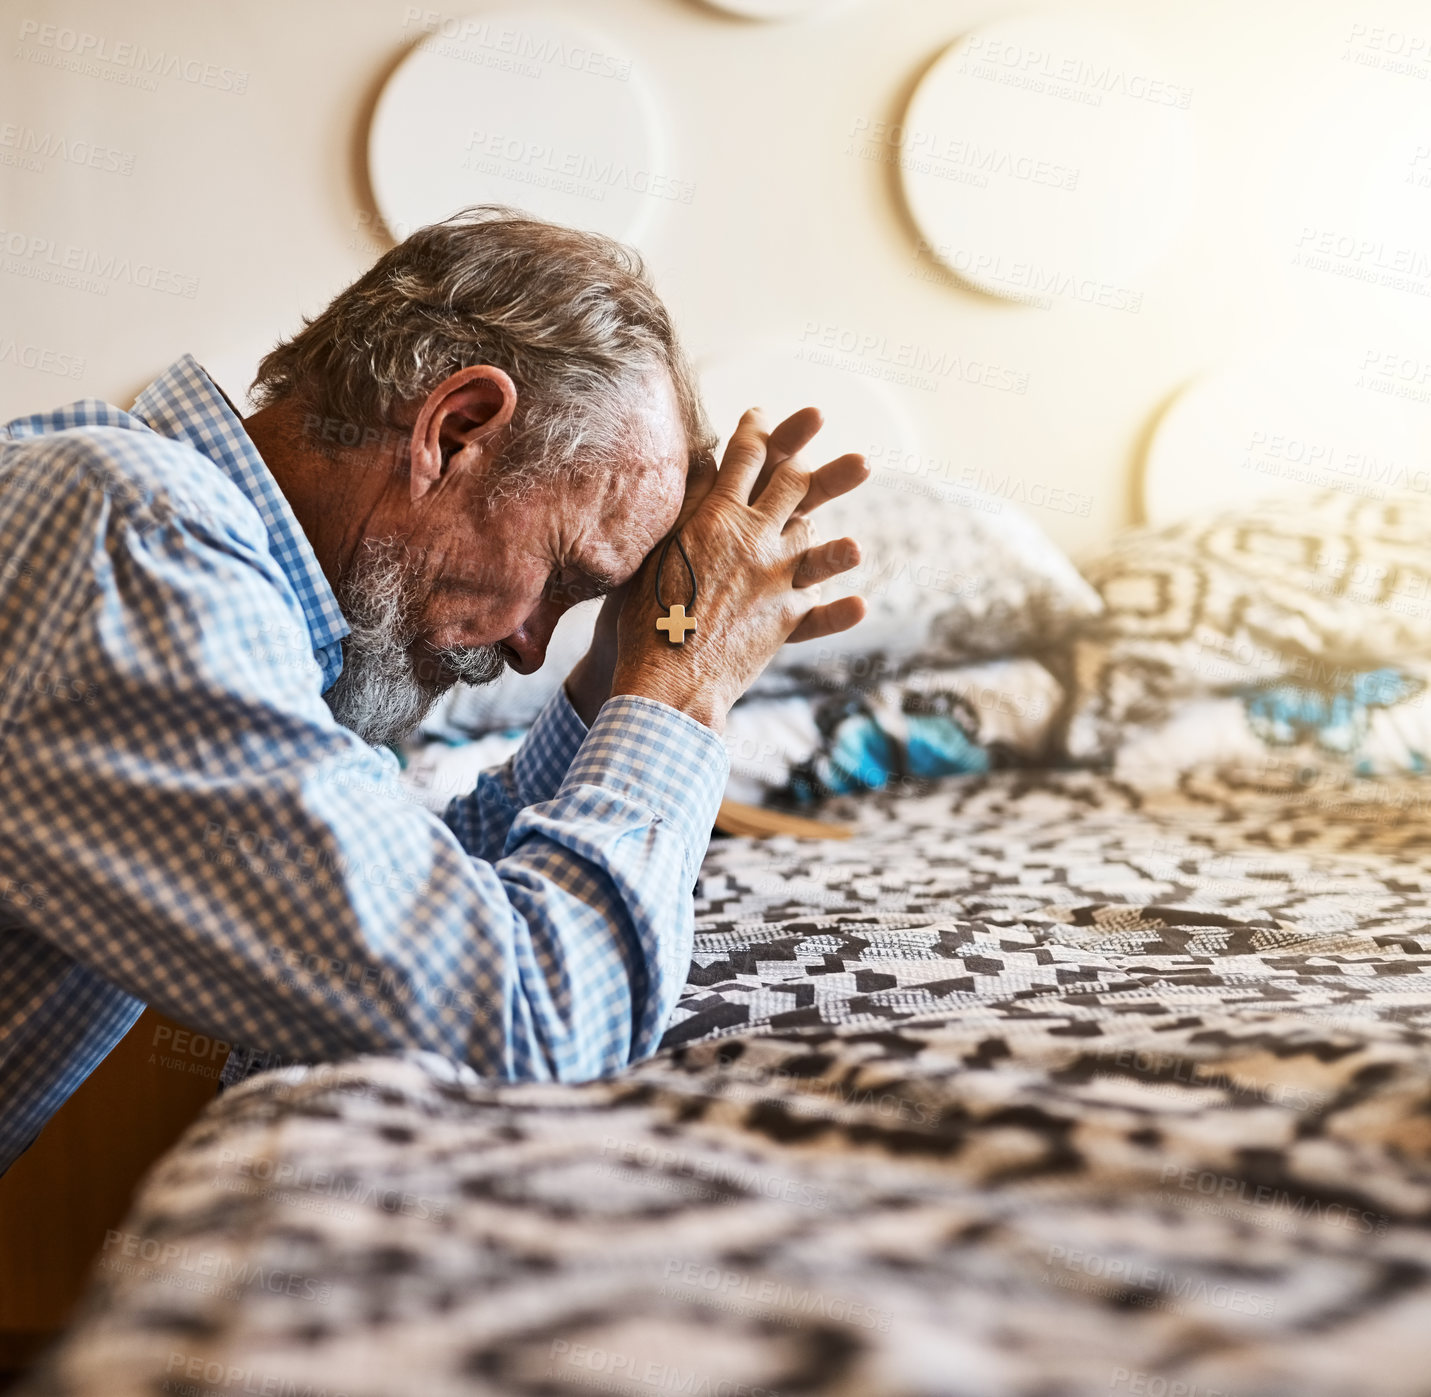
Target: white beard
[(381, 693)]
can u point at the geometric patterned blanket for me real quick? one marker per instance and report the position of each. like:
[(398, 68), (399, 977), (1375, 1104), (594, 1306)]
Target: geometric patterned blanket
[(1038, 1085)]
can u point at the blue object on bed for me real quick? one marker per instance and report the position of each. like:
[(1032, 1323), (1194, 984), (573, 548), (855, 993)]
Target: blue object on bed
[(1334, 715), (859, 753)]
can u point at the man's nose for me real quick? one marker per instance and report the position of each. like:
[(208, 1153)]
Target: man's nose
[(526, 646)]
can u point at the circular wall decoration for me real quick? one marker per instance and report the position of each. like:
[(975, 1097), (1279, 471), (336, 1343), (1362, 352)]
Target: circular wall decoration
[(778, 9), (505, 107), (1045, 160), (860, 415), (1345, 197), (1280, 424)]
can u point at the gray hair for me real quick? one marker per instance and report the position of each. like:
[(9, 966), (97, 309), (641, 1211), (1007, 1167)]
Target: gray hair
[(571, 316), (383, 693)]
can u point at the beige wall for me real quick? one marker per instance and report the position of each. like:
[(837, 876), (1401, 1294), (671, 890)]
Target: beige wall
[(256, 202)]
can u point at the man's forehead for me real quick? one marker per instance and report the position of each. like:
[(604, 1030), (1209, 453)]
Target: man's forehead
[(633, 512), (658, 409), (630, 510)]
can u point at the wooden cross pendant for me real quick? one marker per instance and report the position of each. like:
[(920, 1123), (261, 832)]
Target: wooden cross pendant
[(676, 625)]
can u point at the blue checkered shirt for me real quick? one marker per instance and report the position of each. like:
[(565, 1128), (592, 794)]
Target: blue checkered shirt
[(183, 823)]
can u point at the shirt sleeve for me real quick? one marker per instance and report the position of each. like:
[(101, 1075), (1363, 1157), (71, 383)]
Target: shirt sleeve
[(482, 818), (210, 841)]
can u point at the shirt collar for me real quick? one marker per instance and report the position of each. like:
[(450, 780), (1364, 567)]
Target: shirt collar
[(185, 404)]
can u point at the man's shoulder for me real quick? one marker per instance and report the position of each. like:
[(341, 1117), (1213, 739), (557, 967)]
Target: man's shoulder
[(145, 476)]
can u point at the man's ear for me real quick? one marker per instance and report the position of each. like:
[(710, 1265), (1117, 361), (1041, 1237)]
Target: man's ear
[(462, 417)]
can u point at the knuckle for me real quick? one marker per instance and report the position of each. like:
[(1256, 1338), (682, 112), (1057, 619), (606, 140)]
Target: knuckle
[(791, 475), (744, 451)]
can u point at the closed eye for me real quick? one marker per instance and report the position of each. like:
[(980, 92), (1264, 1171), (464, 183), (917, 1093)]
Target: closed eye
[(571, 586)]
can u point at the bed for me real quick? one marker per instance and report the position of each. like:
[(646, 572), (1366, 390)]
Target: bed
[(1042, 1083)]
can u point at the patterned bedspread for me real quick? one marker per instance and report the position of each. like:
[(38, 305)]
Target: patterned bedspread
[(1036, 1086)]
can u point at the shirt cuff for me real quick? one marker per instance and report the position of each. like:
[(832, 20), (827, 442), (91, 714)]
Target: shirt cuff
[(547, 750), (660, 758)]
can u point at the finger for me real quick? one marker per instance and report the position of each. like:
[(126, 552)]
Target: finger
[(835, 478), (783, 491), (700, 478), (830, 619), (788, 439), (745, 455), (796, 432), (695, 497), (826, 560)]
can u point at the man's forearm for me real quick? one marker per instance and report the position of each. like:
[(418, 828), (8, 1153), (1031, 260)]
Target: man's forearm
[(482, 818)]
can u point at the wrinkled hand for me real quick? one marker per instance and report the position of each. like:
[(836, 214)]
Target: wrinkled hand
[(748, 533)]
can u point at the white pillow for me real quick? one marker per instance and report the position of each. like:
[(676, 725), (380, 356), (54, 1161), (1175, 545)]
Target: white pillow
[(949, 575)]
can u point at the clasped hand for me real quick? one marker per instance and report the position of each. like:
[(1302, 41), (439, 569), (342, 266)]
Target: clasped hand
[(748, 533)]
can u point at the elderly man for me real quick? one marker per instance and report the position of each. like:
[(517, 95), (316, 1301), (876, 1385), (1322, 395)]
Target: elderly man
[(209, 626)]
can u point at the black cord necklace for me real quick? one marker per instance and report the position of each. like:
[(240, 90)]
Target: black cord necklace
[(676, 622)]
